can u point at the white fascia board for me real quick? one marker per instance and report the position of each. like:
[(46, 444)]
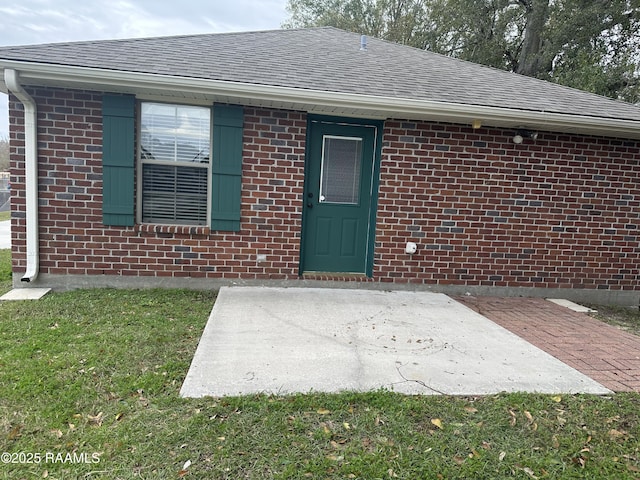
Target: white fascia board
[(376, 106)]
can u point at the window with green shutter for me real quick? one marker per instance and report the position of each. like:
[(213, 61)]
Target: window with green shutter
[(189, 164), (175, 148)]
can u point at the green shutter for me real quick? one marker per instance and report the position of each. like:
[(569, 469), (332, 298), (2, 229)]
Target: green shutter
[(118, 159), (226, 167)]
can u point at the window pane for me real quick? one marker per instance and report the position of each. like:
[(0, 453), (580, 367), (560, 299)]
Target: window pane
[(175, 133), (340, 179), (174, 194)]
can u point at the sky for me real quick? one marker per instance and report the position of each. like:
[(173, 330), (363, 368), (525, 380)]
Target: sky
[(48, 21)]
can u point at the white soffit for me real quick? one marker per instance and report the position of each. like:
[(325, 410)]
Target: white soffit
[(315, 101)]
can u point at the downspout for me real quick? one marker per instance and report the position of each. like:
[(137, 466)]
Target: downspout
[(31, 171)]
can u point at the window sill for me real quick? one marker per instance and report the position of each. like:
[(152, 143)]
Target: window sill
[(173, 229)]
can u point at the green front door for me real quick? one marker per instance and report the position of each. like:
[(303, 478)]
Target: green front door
[(338, 221)]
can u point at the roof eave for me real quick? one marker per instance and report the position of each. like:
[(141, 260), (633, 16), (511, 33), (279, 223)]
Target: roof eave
[(314, 101)]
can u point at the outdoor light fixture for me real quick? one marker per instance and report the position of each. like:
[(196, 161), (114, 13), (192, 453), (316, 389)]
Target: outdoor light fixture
[(521, 134)]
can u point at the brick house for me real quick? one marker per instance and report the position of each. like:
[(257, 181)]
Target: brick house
[(313, 155)]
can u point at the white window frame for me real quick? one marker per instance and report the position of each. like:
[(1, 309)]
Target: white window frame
[(140, 161)]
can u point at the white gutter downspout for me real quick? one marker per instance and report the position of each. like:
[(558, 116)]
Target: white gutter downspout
[(31, 171)]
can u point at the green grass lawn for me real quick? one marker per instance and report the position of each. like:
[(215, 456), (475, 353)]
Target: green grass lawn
[(89, 385)]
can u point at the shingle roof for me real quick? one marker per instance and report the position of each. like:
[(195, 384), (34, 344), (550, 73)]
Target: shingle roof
[(326, 59)]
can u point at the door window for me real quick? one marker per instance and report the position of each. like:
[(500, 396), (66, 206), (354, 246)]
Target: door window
[(340, 170)]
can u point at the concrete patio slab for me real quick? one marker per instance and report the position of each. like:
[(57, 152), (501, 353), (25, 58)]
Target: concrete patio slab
[(286, 340)]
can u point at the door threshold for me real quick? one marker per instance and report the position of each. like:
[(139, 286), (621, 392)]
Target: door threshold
[(334, 275)]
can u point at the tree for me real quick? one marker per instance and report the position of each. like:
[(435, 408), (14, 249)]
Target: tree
[(488, 32), (400, 21), (531, 59), (588, 44), (4, 154), (597, 45)]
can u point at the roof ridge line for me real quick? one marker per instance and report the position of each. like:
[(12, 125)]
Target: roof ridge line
[(166, 37)]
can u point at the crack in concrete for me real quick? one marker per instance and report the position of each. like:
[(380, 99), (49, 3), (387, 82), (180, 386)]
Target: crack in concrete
[(411, 380)]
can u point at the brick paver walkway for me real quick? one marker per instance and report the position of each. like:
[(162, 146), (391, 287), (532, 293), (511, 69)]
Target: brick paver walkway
[(605, 353)]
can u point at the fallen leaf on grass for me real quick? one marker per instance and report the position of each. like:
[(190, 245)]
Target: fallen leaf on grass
[(185, 469), (580, 459), (335, 458), (557, 398), (527, 470), (502, 455), (614, 419), (437, 422), (95, 419), (323, 411), (613, 433), (15, 432), (513, 419)]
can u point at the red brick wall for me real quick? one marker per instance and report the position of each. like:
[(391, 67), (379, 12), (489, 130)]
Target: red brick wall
[(74, 241), (559, 212), (70, 174)]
